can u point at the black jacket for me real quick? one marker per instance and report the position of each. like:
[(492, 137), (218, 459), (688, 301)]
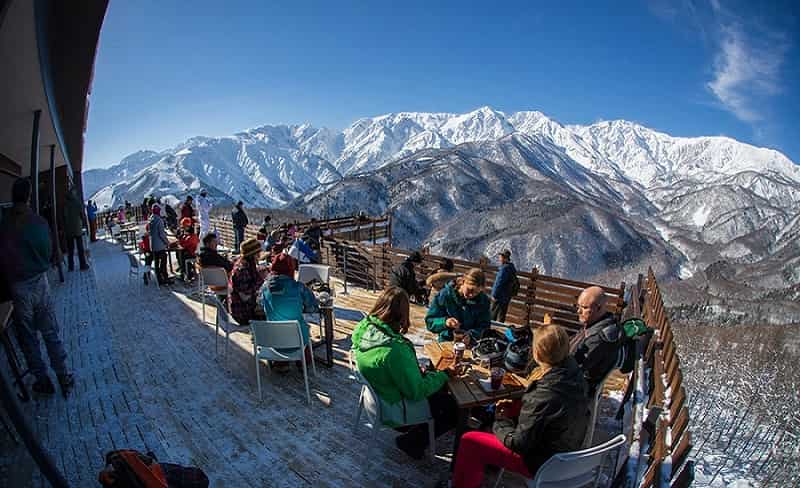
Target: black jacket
[(209, 258), (403, 276), (239, 218), (597, 352), (553, 419)]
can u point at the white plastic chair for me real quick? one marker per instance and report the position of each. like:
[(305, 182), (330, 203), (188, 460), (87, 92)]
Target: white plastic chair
[(227, 323), (212, 276), (269, 336), (137, 271), (370, 403), (576, 469), (595, 402)]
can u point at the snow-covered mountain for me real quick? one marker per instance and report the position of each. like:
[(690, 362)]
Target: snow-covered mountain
[(580, 201)]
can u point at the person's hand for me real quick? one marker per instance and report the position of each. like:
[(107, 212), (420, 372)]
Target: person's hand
[(452, 323), (451, 371)]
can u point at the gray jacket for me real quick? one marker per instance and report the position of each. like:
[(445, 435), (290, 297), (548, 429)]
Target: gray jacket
[(158, 235)]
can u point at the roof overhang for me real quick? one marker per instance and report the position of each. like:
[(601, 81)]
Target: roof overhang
[(47, 49)]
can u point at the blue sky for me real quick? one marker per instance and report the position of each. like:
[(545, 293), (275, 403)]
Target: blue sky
[(168, 70)]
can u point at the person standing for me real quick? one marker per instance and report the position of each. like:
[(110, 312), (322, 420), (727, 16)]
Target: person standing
[(73, 229), (91, 214), (159, 244), (187, 209), (506, 285), (204, 210), (25, 252), (240, 222)]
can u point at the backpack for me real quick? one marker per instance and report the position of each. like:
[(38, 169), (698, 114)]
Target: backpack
[(127, 468), (633, 330), (514, 285)]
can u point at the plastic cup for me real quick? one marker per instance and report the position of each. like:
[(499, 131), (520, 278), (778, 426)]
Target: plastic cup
[(496, 377), (458, 350)]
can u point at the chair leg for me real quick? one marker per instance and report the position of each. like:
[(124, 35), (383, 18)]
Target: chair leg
[(227, 341), (499, 477), (216, 335), (358, 410), (305, 377), (432, 439), (258, 375), (203, 297), (313, 362)]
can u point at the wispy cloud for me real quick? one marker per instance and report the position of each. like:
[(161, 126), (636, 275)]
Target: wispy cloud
[(745, 73), (747, 64)]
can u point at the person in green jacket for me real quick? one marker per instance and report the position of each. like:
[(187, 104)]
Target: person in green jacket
[(461, 304), (388, 362)]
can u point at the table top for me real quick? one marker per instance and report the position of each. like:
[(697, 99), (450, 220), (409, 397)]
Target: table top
[(466, 389)]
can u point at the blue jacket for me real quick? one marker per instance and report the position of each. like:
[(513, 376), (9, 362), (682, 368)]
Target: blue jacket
[(501, 290), (91, 211), (284, 298), (473, 314)]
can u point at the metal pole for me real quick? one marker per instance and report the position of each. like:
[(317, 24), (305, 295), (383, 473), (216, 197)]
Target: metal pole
[(37, 114), (53, 215)]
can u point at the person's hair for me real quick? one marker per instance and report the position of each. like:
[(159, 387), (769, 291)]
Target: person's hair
[(208, 238), (448, 265), (414, 257), (239, 203), (21, 190), (550, 345), (474, 277), (392, 308)]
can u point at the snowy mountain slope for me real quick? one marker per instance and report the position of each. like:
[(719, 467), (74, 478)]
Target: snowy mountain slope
[(266, 167), (650, 157), (634, 194), (94, 179)]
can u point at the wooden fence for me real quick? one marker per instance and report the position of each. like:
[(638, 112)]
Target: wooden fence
[(369, 266), (660, 443)]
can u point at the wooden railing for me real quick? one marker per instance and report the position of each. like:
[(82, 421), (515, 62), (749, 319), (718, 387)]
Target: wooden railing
[(660, 449), (369, 266), (368, 229)]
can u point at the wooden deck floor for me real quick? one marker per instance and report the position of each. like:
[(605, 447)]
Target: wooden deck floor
[(147, 378)]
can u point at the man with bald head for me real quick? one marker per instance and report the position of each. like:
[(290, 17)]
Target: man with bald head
[(596, 347)]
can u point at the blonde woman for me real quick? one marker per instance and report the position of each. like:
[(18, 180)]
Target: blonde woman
[(553, 418), (461, 304)]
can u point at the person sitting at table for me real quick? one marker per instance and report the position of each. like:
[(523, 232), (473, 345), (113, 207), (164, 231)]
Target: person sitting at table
[(552, 417), (302, 252), (461, 304), (265, 229), (187, 243), (597, 345), (245, 281), (440, 278), (209, 257), (283, 298), (387, 360), (404, 276)]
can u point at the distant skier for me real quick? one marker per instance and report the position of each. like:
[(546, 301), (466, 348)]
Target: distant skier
[(204, 206)]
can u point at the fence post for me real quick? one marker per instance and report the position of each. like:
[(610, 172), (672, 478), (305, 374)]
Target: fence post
[(344, 250)]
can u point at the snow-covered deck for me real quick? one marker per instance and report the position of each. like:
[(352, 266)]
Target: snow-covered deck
[(147, 378)]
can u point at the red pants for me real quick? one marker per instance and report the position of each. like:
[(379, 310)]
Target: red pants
[(478, 449)]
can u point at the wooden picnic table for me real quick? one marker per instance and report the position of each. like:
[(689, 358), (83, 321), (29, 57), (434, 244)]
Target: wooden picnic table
[(467, 390)]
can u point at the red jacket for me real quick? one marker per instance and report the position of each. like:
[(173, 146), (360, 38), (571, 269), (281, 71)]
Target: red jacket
[(144, 244), (189, 243), (187, 211)]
